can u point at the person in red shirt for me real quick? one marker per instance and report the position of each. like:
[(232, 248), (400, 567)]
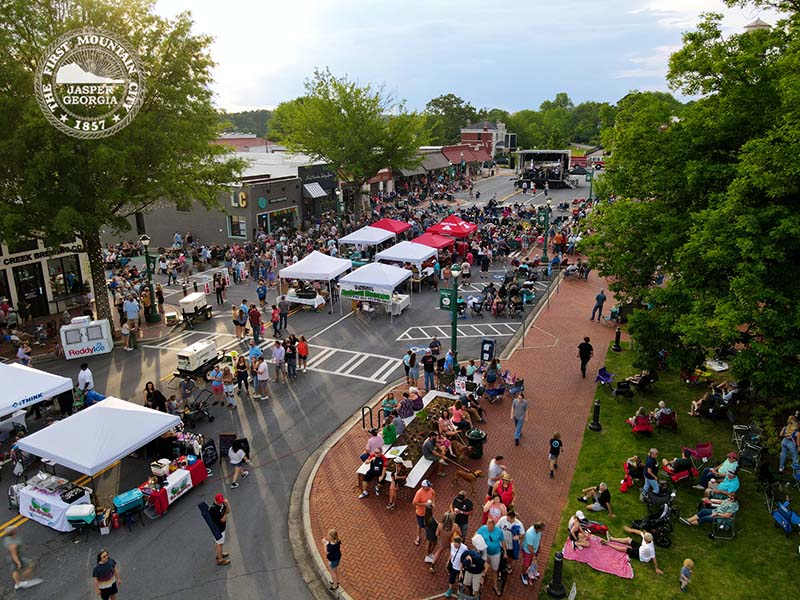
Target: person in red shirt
[(275, 319), (255, 322)]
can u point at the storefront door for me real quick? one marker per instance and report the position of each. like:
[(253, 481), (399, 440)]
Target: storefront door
[(29, 281)]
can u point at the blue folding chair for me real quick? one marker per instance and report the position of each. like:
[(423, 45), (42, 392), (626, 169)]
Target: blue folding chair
[(603, 376)]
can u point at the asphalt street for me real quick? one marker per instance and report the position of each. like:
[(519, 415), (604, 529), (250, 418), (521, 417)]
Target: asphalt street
[(172, 557)]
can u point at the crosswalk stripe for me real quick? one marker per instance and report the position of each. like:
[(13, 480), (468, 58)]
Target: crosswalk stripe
[(385, 369), (320, 357), (355, 365), (347, 362)]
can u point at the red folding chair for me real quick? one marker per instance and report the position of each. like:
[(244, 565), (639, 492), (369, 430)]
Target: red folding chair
[(640, 424), (702, 451)]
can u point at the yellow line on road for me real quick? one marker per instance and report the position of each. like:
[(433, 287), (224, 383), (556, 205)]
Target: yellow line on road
[(509, 196)]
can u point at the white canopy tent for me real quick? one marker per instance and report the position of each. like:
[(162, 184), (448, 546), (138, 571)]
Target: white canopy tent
[(98, 436), (317, 267), (367, 236), (24, 386), (407, 252), (373, 282)]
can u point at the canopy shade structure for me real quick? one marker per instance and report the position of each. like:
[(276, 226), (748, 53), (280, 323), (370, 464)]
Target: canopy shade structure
[(316, 266), (410, 252), (434, 241), (98, 436), (376, 275), (23, 387), (368, 236), (434, 161), (392, 225), (454, 227)]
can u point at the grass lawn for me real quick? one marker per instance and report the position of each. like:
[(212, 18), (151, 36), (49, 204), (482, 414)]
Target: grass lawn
[(760, 563)]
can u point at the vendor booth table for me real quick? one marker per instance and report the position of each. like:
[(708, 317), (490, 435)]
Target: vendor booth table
[(22, 388), (316, 267), (178, 483), (376, 283), (314, 302), (411, 253), (47, 508)]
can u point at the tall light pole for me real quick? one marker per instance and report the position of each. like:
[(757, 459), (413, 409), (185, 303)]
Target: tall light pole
[(544, 219), (339, 196), (590, 179), (456, 273), (152, 315)]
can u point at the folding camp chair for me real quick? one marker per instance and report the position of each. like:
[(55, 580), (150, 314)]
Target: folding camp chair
[(603, 376)]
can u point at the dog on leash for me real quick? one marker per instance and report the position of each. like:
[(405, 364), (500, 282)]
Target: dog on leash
[(468, 477)]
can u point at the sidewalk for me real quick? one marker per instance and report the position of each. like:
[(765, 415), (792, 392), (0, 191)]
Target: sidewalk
[(379, 557)]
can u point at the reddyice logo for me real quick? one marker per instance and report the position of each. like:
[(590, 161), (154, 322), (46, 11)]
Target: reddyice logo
[(98, 347), (89, 83)]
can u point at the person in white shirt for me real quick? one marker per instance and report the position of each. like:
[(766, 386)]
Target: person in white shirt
[(645, 550), (238, 458), (457, 549), (85, 378), (512, 529)]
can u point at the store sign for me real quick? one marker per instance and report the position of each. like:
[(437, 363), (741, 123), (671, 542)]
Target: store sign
[(89, 83), (87, 350), (276, 200), (447, 298), (23, 258)]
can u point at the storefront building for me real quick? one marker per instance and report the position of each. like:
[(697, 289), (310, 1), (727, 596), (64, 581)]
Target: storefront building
[(276, 204), (47, 281)]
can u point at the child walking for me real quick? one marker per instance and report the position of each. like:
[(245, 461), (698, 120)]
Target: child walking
[(333, 552), (686, 574), (556, 446)]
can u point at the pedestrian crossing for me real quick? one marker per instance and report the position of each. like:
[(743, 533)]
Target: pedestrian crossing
[(365, 366), (481, 330)]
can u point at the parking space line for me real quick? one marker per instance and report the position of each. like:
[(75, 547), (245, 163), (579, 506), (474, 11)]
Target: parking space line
[(441, 331)]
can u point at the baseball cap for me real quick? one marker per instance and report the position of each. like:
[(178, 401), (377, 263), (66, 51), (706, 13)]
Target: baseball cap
[(219, 499), (580, 515), (733, 455), (426, 483)]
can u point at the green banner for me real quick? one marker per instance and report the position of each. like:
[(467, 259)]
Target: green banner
[(372, 296), (447, 298)]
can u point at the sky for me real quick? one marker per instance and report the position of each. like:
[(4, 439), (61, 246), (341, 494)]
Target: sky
[(511, 57)]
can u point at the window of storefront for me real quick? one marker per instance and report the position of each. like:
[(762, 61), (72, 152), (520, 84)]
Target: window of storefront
[(237, 226), (272, 221), (4, 290), (65, 276)]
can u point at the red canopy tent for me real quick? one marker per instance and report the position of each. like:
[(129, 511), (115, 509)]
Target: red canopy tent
[(392, 225), (453, 226), (434, 241)]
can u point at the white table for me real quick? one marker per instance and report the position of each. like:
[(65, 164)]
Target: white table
[(315, 302), (398, 305), (47, 509)]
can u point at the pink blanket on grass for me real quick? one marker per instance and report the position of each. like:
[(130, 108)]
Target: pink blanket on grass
[(600, 558)]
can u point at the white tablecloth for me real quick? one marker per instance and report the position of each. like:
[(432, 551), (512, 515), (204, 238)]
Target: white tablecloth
[(397, 306), (178, 483), (47, 509), (315, 302)]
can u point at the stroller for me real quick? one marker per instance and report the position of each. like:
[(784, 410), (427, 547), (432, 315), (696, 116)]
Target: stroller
[(655, 500), (197, 409), (659, 524)]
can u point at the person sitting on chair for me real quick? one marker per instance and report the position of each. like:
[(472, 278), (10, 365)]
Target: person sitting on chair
[(679, 465), (726, 509), (635, 467), (601, 496), (731, 463), (639, 413), (661, 410), (726, 487)]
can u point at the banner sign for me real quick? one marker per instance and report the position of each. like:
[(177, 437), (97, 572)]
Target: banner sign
[(363, 292), (447, 298)]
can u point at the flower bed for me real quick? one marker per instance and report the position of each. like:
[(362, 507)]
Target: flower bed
[(417, 430)]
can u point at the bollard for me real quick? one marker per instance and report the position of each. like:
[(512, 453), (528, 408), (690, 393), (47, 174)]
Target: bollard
[(595, 424), (556, 588), (185, 291), (616, 347), (194, 285)]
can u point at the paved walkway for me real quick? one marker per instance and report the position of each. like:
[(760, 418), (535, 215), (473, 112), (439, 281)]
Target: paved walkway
[(379, 557)]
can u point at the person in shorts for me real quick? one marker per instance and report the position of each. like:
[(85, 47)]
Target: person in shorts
[(454, 565), (219, 512), (238, 458), (333, 552), (106, 576), (376, 471), (474, 566), (22, 566), (644, 551), (597, 498), (556, 445)]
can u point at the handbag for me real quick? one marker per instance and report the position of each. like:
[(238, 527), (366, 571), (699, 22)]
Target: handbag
[(19, 469)]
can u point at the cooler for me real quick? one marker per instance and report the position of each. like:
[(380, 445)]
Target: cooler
[(81, 514), (193, 302), (160, 468), (128, 501)]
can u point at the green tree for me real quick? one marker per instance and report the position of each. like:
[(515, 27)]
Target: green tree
[(358, 130), (446, 115), (58, 188), (249, 121)]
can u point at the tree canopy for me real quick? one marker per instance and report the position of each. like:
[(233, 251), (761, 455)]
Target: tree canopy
[(249, 121), (708, 192), (56, 187)]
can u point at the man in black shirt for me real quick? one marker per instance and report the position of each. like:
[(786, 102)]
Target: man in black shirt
[(219, 512), (601, 496), (585, 353), (462, 507), (474, 566), (376, 472), (428, 368)]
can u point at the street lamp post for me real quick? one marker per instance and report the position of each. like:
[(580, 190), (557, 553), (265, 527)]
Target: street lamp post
[(590, 178), (454, 313), (339, 209), (544, 218), (152, 315)]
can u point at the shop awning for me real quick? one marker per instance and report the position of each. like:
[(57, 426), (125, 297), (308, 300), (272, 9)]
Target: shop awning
[(454, 154), (316, 267), (434, 161), (413, 171), (314, 190), (98, 436), (24, 386), (368, 236), (482, 155), (404, 252), (392, 225), (434, 241)]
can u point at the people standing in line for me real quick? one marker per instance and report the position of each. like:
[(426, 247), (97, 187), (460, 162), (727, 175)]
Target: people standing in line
[(494, 539), (227, 386), (445, 532), (242, 374), (283, 313), (494, 472), (435, 346), (241, 318), (519, 415), (556, 445), (585, 354), (254, 316), (252, 358), (333, 552), (424, 497), (513, 534), (454, 566), (291, 357), (302, 353), (530, 552), (215, 377), (599, 300), (23, 566), (238, 458), (279, 361), (237, 325), (431, 529), (219, 513), (106, 576), (474, 567)]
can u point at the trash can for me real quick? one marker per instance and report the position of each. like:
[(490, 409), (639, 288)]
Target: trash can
[(477, 438)]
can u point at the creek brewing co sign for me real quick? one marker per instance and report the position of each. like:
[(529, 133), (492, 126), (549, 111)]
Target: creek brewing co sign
[(89, 83)]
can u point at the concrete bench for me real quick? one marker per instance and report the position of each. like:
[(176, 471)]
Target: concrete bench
[(417, 474)]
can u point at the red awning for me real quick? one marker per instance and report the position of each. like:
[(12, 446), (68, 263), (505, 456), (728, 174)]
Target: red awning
[(482, 155), (455, 153), (392, 225), (382, 175), (434, 241), (453, 226)]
